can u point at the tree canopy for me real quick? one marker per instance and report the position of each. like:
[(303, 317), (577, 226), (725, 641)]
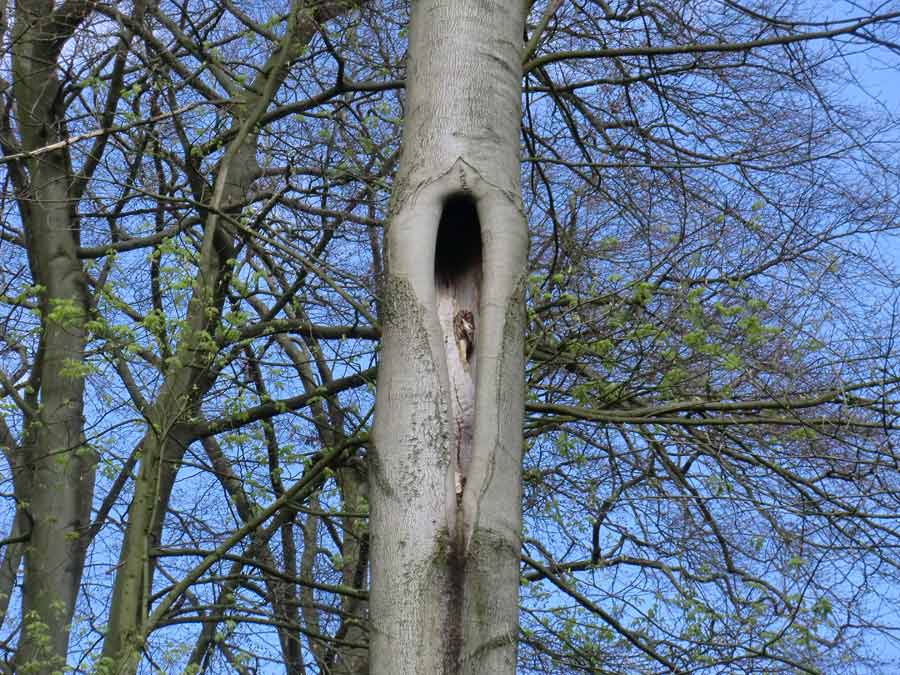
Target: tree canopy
[(193, 199)]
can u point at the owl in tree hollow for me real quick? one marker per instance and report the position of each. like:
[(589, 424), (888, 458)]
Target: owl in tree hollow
[(464, 332)]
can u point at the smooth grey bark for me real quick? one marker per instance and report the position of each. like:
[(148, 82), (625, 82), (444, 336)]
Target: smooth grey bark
[(445, 485)]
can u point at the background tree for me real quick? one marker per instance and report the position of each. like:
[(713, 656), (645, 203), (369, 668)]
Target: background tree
[(191, 289)]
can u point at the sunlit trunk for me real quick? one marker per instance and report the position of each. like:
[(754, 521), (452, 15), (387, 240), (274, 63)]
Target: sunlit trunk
[(446, 479)]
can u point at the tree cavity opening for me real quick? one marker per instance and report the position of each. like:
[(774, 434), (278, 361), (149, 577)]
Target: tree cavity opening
[(457, 275), (457, 253)]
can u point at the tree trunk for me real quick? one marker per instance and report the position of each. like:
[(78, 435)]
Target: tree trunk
[(446, 475), (57, 480), (165, 443)]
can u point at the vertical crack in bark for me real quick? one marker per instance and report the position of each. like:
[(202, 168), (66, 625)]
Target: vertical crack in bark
[(456, 564), (457, 271)]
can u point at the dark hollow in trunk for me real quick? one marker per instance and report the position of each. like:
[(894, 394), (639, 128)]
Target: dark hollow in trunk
[(458, 247)]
